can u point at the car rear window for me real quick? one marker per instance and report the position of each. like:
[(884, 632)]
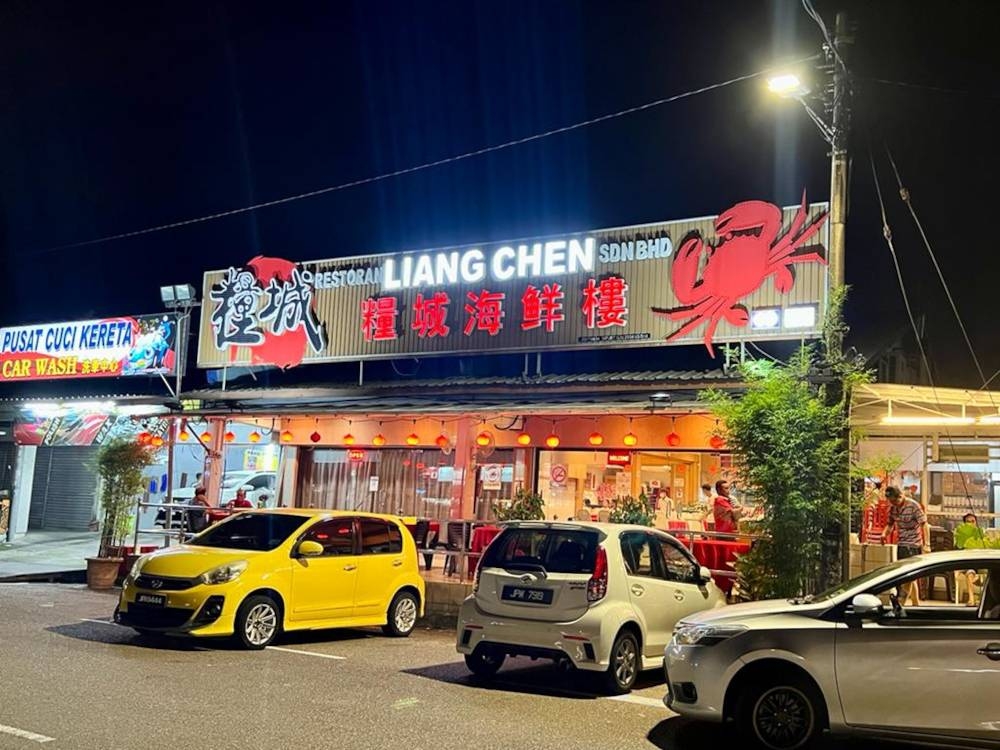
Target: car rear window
[(555, 550)]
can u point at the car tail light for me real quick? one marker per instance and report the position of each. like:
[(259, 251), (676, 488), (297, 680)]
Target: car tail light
[(475, 581), (597, 586)]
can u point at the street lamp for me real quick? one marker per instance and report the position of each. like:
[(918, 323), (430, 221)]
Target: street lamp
[(787, 84)]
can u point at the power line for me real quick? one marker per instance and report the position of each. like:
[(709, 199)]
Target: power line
[(887, 234), (938, 89), (904, 195), (425, 165)]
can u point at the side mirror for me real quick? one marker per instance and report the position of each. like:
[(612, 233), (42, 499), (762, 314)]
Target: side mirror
[(309, 548), (704, 574), (865, 606)]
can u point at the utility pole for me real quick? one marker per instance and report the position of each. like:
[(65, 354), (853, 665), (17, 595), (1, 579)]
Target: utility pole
[(840, 122), (840, 128)]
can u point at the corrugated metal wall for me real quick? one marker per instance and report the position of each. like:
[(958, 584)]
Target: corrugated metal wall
[(64, 489)]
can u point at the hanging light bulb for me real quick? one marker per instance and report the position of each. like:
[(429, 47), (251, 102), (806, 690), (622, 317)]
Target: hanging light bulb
[(483, 439), (595, 438), (524, 439), (552, 441), (286, 436), (413, 439), (378, 440), (254, 437), (315, 437), (230, 436)]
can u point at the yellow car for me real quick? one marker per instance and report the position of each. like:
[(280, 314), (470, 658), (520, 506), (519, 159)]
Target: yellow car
[(259, 573)]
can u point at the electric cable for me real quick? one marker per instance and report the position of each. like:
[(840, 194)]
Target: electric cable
[(423, 166), (904, 195), (887, 234)]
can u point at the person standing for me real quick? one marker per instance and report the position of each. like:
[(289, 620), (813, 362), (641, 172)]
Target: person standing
[(909, 521), (197, 516), (725, 513)]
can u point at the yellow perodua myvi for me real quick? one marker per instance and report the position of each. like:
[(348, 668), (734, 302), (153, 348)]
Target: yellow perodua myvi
[(259, 573)]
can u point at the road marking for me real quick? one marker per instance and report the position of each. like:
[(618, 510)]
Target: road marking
[(25, 734), (305, 653), (642, 700), (405, 703)]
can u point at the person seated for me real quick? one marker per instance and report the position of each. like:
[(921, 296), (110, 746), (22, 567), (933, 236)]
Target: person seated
[(240, 501), (968, 535)]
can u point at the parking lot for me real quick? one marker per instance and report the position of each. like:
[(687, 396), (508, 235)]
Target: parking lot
[(74, 680)]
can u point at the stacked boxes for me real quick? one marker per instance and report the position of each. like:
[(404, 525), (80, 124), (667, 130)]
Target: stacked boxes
[(868, 557)]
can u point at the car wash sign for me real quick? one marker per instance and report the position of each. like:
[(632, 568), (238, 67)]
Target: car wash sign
[(106, 347), (754, 272)]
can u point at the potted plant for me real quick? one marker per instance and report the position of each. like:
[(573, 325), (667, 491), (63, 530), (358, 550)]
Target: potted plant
[(633, 510), (120, 465), (526, 506)]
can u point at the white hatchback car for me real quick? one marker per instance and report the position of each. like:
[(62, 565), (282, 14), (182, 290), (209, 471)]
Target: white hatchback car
[(908, 651), (598, 597)]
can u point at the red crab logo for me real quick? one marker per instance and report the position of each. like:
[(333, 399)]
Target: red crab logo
[(747, 253)]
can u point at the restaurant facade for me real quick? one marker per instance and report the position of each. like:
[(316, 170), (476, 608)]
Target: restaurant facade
[(456, 447)]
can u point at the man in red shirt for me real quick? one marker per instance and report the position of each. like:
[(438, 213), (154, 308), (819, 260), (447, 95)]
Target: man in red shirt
[(726, 515), (240, 501)]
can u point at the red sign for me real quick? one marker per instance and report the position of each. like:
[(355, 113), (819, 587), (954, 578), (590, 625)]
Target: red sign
[(747, 252), (355, 454), (558, 474), (619, 459)]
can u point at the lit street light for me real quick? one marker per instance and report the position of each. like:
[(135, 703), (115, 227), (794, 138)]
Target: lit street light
[(787, 84)]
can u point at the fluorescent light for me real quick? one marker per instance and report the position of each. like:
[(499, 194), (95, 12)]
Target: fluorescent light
[(140, 410), (927, 421), (765, 318), (800, 317), (992, 419)]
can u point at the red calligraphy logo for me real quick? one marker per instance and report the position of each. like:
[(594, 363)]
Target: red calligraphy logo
[(605, 303), (430, 315), (542, 307), (485, 312), (378, 318)]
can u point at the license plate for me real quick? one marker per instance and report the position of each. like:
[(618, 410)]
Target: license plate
[(529, 596), (157, 600)]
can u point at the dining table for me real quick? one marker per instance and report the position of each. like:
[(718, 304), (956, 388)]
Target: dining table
[(717, 555), (481, 538)]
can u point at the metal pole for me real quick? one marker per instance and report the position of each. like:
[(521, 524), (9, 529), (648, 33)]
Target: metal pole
[(841, 123)]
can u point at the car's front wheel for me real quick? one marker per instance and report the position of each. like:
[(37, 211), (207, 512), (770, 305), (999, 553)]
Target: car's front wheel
[(783, 714), (258, 621), (484, 662), (625, 662), (402, 615)]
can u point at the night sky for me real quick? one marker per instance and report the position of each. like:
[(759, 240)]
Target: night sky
[(119, 116)]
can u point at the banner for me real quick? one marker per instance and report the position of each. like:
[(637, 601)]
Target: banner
[(109, 347), (754, 272), (84, 429)]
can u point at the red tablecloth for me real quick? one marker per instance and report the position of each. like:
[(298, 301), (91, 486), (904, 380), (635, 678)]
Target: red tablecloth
[(716, 554), (433, 530), (481, 538), (677, 525)]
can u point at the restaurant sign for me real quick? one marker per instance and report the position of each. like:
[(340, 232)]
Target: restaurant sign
[(754, 272), (107, 347)]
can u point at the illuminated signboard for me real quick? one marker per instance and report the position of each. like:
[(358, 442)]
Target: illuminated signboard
[(754, 272), (108, 347)]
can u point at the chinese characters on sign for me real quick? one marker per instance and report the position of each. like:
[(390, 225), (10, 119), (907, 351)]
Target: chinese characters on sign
[(695, 281), (267, 306)]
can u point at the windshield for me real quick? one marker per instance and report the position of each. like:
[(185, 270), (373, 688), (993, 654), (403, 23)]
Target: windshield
[(835, 591), (236, 480), (250, 531), (554, 550)]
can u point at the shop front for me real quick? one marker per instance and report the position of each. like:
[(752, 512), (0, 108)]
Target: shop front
[(60, 413)]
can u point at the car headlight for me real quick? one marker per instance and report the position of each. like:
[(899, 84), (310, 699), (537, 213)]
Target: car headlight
[(224, 573), (136, 567), (705, 635)]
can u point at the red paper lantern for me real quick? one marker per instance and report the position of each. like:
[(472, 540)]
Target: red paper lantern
[(595, 438), (156, 441), (524, 439), (378, 440), (673, 439), (315, 437), (254, 437), (413, 439), (483, 439), (552, 441), (348, 439), (183, 436), (144, 438), (230, 436), (716, 441), (286, 436), (442, 441), (630, 439), (206, 437)]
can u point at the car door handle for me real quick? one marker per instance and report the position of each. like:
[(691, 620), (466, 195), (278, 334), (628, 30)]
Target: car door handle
[(350, 567), (679, 596), (637, 589), (991, 651), (396, 563)]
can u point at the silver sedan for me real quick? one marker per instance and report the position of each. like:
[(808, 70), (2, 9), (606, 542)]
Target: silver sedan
[(908, 651)]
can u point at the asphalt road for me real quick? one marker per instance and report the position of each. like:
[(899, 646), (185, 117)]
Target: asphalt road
[(69, 679)]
